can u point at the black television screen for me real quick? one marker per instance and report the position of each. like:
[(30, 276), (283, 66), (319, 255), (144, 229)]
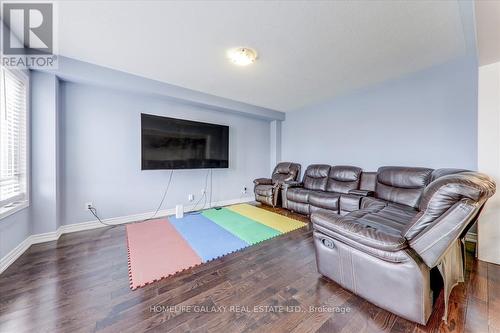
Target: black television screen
[(169, 143)]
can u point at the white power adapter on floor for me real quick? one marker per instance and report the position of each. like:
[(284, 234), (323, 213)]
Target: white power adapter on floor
[(179, 211)]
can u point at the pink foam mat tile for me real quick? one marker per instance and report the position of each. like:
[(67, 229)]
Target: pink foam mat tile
[(155, 251)]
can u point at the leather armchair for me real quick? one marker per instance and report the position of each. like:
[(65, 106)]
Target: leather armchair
[(267, 190), (410, 229)]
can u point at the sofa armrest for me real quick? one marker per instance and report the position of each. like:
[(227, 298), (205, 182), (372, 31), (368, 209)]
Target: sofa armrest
[(284, 189), (349, 203), (431, 244), (362, 193), (263, 181), (292, 183)]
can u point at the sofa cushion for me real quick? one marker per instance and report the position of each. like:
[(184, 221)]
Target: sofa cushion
[(299, 207), (353, 229), (264, 190), (402, 185), (316, 177), (314, 209), (327, 200), (369, 202), (265, 199), (298, 194), (343, 178), (390, 218)]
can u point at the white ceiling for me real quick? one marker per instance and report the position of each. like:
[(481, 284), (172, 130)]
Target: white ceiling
[(488, 31), (308, 50)]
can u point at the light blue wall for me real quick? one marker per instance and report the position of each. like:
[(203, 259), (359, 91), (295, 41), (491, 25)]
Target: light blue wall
[(100, 151), (73, 70), (44, 156), (14, 229), (85, 146), (427, 118), (42, 214)]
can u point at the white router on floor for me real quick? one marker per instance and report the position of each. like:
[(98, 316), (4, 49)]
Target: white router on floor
[(179, 211)]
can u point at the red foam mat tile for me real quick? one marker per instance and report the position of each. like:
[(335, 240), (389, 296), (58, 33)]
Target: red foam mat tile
[(156, 250)]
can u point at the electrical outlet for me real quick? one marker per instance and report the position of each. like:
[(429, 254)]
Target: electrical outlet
[(88, 205), (191, 197)]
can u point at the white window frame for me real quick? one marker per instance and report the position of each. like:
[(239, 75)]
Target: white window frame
[(7, 208)]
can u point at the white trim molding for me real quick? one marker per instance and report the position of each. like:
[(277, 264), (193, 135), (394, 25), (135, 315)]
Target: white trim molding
[(488, 159), (13, 255), (22, 200), (5, 212), (16, 252)]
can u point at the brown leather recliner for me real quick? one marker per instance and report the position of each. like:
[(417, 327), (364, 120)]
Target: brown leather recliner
[(323, 188), (407, 232), (267, 190)]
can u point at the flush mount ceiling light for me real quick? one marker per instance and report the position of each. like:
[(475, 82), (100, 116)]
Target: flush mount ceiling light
[(242, 56)]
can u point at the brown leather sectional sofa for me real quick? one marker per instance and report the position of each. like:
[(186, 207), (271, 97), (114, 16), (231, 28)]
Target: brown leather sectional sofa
[(395, 236)]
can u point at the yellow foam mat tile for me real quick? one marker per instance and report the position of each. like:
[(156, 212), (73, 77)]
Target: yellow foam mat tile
[(273, 220)]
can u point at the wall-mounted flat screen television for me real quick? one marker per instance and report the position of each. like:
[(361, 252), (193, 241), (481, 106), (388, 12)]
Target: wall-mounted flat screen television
[(169, 143)]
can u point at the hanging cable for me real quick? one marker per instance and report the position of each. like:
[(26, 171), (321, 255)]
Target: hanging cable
[(93, 210), (203, 197), (164, 196), (211, 188)]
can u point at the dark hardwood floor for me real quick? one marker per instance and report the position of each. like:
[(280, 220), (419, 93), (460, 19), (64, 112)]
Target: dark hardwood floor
[(80, 284)]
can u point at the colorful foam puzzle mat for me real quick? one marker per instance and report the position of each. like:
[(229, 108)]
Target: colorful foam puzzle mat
[(162, 247)]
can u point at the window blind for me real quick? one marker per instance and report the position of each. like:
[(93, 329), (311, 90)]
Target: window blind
[(13, 138)]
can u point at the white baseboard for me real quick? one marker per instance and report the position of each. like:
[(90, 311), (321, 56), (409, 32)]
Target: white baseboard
[(16, 252), (12, 256)]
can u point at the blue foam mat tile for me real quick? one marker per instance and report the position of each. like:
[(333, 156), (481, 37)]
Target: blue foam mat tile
[(207, 239)]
